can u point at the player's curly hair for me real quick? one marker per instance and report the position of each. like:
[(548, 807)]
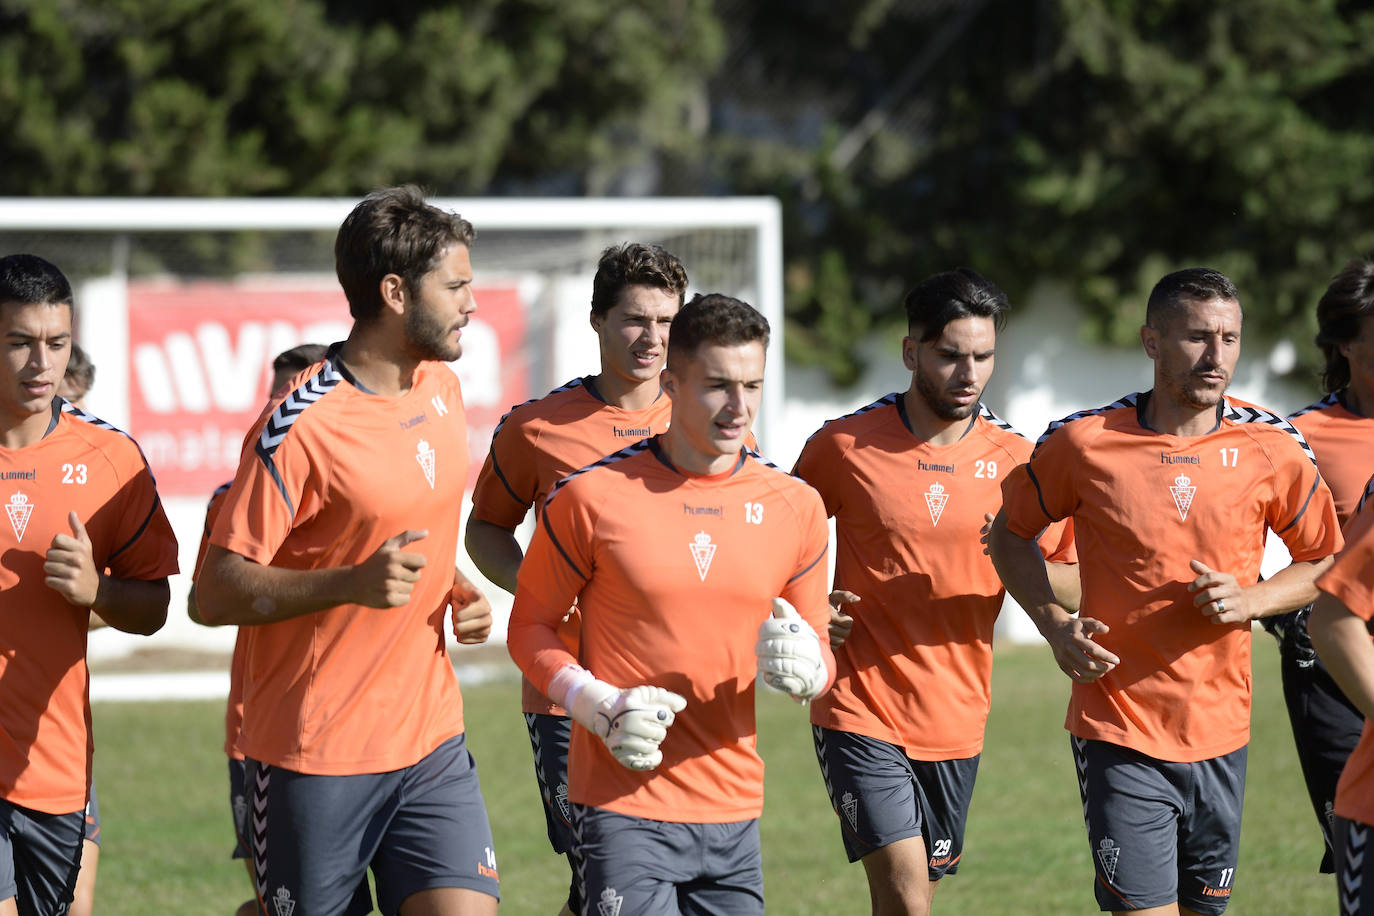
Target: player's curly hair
[(1347, 301), (392, 231), (713, 319), (944, 297), (28, 279), (633, 264)]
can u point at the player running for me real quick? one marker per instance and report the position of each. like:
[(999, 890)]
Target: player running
[(1340, 429), (1171, 493), (636, 292), (86, 533), (674, 549), (336, 543), (910, 480)]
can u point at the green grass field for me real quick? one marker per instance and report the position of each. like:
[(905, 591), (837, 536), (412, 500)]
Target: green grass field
[(166, 832)]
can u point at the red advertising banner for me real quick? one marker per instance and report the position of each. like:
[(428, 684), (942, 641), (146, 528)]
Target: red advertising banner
[(201, 361)]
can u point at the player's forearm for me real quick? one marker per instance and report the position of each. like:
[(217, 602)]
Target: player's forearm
[(1342, 641), (1287, 590), (232, 589), (132, 605), (1022, 569), (533, 642), (495, 552), (1064, 582)]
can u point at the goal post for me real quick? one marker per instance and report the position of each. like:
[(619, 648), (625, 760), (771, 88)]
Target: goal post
[(183, 302)]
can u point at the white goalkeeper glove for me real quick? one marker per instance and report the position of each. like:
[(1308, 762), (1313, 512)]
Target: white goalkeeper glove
[(632, 722), (789, 654)]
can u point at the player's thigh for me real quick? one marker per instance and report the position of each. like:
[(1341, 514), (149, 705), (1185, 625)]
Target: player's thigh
[(549, 738), (1352, 841), (731, 882), (238, 807), (1131, 809), (630, 864), (83, 895), (1209, 833), (871, 787), (945, 790), (438, 836), (312, 838)]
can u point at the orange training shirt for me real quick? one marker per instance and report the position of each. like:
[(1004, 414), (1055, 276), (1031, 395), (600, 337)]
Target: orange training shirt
[(329, 473), (916, 670), (1144, 505), (1342, 442), (674, 573), (233, 709), (84, 465), (539, 443)]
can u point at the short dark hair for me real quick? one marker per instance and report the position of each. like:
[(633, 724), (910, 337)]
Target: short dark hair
[(633, 264), (80, 369), (944, 297), (392, 231), (298, 358), (1192, 284), (1347, 301), (714, 319), (30, 280)]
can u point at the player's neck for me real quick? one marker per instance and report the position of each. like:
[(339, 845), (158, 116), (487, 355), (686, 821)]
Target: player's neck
[(1174, 418), (627, 394), (686, 458), (1359, 397), (19, 432), (379, 366), (926, 424)]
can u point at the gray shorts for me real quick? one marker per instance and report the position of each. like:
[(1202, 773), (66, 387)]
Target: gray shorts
[(419, 828), (1352, 841), (92, 826), (549, 737), (636, 865), (1159, 831), (238, 808), (40, 855), (881, 796)]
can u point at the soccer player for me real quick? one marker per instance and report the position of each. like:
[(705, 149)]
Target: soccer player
[(285, 367), (1171, 492), (336, 545), (910, 480), (1340, 626), (1340, 429), (86, 532), (636, 292), (675, 550)]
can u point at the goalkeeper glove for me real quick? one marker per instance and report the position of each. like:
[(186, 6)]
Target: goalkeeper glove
[(789, 654), (632, 722)]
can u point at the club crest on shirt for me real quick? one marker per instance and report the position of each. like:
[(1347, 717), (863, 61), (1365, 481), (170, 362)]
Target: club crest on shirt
[(282, 902), (1107, 855), (850, 806), (19, 510), (425, 455), (1183, 492), (702, 552), (610, 903), (936, 497)]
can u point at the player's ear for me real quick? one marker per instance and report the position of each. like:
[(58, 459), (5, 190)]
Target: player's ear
[(909, 345), (596, 320), (394, 293), (1149, 339), (667, 382)]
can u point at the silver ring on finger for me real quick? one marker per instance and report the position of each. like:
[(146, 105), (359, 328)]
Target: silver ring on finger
[(1221, 607)]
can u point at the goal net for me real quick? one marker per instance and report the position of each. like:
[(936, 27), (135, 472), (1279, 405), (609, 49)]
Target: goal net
[(183, 303)]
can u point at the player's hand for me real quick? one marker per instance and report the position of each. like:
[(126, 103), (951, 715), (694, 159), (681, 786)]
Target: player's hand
[(1218, 595), (986, 531), (841, 624), (789, 653), (1076, 653), (387, 578), (69, 568), (632, 722), (471, 613)]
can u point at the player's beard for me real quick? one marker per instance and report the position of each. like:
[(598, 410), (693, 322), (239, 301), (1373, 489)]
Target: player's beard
[(428, 338), (934, 397)]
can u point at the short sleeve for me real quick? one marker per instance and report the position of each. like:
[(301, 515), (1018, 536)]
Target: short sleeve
[(509, 481), (1351, 577), (1302, 512), (1057, 544), (820, 465), (144, 545), (559, 560), (1042, 490), (275, 479)]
